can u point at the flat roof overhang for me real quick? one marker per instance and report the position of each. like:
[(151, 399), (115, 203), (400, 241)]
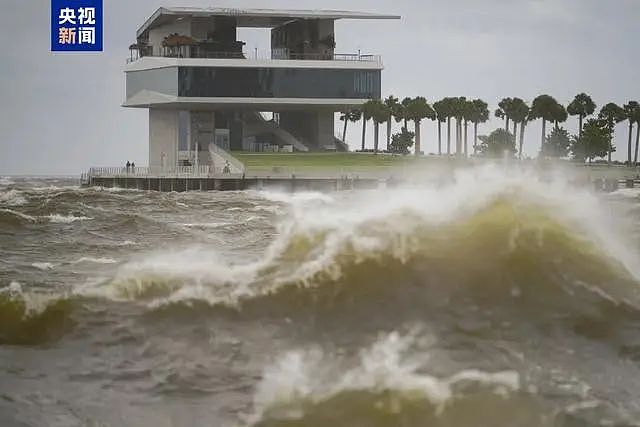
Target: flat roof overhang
[(252, 18), (148, 99)]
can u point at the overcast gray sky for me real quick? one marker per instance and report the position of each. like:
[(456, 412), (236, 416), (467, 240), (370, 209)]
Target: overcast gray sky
[(61, 113)]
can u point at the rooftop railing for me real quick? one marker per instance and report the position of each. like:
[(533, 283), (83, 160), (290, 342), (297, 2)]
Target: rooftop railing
[(266, 56)]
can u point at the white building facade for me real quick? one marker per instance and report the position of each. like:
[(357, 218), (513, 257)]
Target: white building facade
[(188, 68)]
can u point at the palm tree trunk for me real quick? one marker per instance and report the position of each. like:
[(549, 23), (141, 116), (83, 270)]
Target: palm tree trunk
[(475, 138), (458, 129), (515, 130), (544, 134), (635, 157), (448, 136), (612, 134), (460, 152), (439, 138), (630, 140), (364, 132), (522, 125), (388, 132), (376, 135), (506, 123), (344, 130), (466, 141), (580, 118), (417, 128)]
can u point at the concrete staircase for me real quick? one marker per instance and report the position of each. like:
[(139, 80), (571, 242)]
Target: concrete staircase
[(341, 145), (221, 158), (282, 135)]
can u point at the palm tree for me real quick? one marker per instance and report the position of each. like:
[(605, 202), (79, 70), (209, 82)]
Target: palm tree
[(405, 104), (520, 115), (468, 116), (479, 114), (441, 116), (349, 116), (380, 115), (581, 106), (504, 111), (500, 114), (417, 110), (559, 115), (447, 108), (393, 105), (611, 114), (458, 106), (630, 110), (637, 120), (367, 113), (545, 107)]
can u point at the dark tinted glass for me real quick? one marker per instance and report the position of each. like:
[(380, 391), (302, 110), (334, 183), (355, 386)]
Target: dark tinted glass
[(278, 83)]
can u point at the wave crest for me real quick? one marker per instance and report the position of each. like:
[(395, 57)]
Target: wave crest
[(387, 386), (512, 239), (30, 318)]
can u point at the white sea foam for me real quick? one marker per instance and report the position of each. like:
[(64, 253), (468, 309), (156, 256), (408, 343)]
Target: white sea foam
[(633, 193), (5, 181), (34, 303), (25, 217), (203, 225), (391, 363), (95, 260), (296, 197), (368, 224), (269, 209), (12, 198), (65, 219), (44, 266)]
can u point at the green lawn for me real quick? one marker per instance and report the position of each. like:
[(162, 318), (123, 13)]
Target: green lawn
[(319, 160)]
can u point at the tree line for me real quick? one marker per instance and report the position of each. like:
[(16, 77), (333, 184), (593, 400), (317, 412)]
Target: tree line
[(594, 138)]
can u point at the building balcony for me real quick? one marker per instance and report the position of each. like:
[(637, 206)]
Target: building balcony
[(274, 55)]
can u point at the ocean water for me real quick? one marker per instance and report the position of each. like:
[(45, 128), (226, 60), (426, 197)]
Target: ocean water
[(495, 299)]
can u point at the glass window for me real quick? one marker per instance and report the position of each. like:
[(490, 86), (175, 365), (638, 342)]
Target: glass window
[(278, 83)]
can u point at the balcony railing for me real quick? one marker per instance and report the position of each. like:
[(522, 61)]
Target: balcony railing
[(268, 56)]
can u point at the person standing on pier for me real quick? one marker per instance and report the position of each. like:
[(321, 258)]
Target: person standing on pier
[(133, 168), (128, 166)]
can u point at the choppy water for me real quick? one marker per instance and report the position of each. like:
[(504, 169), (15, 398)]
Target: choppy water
[(496, 300)]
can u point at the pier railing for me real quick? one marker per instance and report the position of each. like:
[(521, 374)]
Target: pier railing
[(201, 171)]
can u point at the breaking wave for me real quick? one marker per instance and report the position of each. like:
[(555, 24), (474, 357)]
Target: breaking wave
[(514, 237), (66, 219), (28, 318), (10, 216), (12, 198), (388, 384)]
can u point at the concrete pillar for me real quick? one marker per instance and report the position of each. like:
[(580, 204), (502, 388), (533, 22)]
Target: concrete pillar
[(163, 138)]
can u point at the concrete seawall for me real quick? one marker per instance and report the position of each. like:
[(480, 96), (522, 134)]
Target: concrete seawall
[(169, 184)]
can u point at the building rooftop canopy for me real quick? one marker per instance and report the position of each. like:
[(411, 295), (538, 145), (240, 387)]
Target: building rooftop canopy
[(255, 18)]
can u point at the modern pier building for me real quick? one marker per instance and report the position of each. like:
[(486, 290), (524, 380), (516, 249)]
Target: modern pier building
[(207, 95)]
